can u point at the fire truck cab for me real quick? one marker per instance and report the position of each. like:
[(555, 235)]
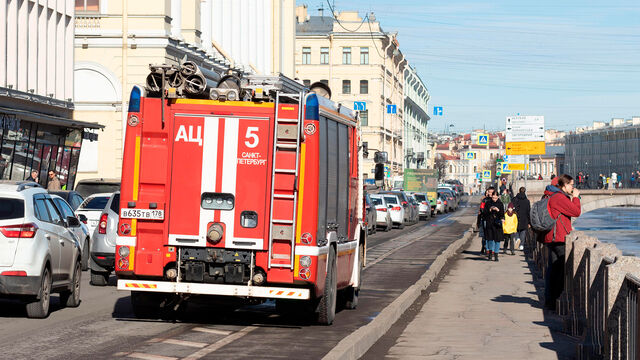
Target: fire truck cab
[(258, 199)]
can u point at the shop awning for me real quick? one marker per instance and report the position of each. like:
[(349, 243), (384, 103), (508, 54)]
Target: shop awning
[(50, 119)]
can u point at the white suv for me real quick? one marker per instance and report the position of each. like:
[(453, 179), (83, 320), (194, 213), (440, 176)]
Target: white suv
[(38, 253)]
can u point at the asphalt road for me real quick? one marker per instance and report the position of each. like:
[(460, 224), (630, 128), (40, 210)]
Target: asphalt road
[(103, 327)]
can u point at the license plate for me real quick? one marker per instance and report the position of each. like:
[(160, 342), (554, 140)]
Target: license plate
[(142, 214)]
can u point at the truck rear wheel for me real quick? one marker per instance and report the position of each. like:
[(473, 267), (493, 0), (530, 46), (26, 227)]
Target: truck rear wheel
[(326, 309), (351, 293)]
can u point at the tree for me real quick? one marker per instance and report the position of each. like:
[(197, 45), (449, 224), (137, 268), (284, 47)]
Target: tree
[(440, 165)]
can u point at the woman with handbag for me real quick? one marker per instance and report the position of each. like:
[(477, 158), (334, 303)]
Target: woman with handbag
[(494, 215)]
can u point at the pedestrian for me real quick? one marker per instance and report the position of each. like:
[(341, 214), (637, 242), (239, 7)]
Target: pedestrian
[(586, 181), (493, 216), (510, 228), (523, 207), (480, 221), (54, 182), (505, 197), (539, 176), (33, 176), (564, 203), (600, 181), (618, 181)]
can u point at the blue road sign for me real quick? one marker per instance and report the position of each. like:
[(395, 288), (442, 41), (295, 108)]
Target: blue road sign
[(486, 174), (483, 139), (392, 109), (437, 110), (505, 168), (505, 157), (470, 155), (360, 105)]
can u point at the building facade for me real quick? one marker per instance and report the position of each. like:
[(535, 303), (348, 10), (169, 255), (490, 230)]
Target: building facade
[(416, 137), (612, 147), (360, 63), (114, 47), (37, 130)]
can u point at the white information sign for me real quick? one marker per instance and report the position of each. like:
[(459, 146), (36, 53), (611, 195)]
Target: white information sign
[(517, 159), (524, 128)]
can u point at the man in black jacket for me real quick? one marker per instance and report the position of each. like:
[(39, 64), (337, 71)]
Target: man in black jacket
[(523, 207)]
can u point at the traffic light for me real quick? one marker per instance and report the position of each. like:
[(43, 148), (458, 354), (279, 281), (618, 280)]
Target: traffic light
[(379, 175)]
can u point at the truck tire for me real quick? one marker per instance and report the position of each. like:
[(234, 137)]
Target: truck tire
[(99, 278), (351, 293), (40, 309), (71, 298), (85, 255), (326, 310), (146, 305)]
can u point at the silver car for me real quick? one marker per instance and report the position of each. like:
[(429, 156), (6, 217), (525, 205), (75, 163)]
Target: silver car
[(38, 255), (80, 231), (103, 242)]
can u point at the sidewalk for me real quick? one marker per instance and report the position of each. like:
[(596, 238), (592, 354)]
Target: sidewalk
[(484, 310)]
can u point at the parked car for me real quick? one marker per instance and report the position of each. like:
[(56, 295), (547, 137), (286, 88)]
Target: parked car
[(370, 214), (80, 230), (453, 195), (72, 197), (95, 186), (441, 204), (103, 242), (38, 255), (383, 216), (449, 200), (396, 210), (424, 208), (410, 207), (91, 209)]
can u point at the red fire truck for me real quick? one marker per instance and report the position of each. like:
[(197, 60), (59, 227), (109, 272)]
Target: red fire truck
[(257, 198)]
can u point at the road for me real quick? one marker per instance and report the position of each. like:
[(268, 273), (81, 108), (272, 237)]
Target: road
[(103, 327)]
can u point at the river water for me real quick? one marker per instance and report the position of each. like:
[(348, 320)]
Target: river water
[(617, 225)]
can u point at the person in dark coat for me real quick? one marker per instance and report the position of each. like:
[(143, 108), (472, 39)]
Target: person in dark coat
[(480, 220), (33, 176), (493, 215), (564, 203), (523, 207)]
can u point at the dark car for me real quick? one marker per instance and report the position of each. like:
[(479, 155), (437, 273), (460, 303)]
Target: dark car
[(72, 197), (409, 204), (94, 186)]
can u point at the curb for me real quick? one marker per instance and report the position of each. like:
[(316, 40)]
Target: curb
[(356, 345)]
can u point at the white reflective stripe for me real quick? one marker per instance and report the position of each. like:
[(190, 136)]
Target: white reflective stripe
[(347, 246), (229, 170), (126, 240), (311, 250), (214, 289), (209, 169)]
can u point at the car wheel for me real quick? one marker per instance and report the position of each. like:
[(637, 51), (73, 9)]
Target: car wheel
[(85, 255), (40, 309), (99, 278), (326, 309), (72, 298), (401, 226)]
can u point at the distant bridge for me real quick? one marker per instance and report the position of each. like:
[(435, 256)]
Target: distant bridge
[(590, 199)]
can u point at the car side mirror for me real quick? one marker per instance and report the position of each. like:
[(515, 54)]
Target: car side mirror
[(82, 218), (72, 221)]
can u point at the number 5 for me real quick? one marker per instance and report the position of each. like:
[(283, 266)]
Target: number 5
[(251, 130)]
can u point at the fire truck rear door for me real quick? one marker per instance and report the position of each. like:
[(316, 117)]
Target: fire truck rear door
[(220, 173)]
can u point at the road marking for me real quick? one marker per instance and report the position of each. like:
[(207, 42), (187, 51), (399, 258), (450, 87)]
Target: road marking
[(211, 331), (185, 343), (143, 356), (220, 343)]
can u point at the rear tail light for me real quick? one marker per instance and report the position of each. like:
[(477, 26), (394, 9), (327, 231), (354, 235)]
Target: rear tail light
[(304, 272), (306, 238), (14, 273), (424, 203), (19, 231), (396, 208), (445, 202), (382, 209), (404, 203), (102, 225)]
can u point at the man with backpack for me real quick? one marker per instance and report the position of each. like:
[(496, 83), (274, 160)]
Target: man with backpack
[(551, 218)]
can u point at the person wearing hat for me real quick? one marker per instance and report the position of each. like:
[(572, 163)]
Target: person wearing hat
[(510, 228)]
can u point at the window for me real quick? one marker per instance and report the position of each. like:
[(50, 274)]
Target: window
[(306, 82), (346, 86), (96, 203), (11, 208), (364, 118), (63, 207), (325, 81), (346, 55), (306, 55), (115, 204), (41, 210), (324, 55), (88, 5), (364, 86), (53, 212), (364, 56)]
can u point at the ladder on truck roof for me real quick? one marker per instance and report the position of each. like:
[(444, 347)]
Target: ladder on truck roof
[(284, 177)]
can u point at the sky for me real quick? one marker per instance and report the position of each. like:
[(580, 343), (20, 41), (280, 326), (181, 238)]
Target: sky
[(574, 62)]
